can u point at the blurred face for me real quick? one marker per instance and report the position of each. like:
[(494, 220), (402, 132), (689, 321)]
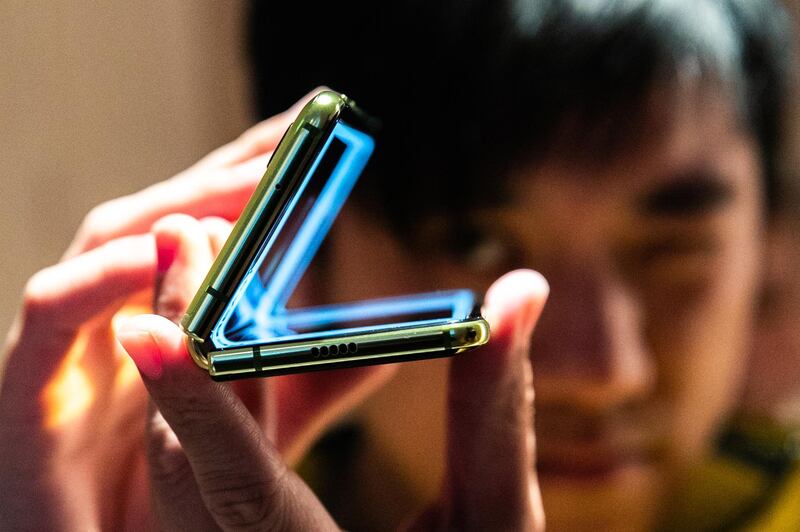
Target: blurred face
[(653, 262)]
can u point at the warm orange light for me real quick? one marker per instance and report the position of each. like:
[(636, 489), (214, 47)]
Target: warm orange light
[(70, 392), (126, 374)]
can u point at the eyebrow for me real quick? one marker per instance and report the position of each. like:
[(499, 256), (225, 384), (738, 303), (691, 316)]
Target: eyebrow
[(693, 193)]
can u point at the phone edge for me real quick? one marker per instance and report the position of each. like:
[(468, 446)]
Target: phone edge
[(316, 119), (396, 345)]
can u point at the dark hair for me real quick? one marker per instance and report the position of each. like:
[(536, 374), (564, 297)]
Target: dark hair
[(467, 88)]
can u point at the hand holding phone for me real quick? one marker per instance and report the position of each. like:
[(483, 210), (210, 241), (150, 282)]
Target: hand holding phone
[(239, 472), (238, 324)]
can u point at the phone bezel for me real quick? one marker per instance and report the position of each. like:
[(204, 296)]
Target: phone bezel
[(297, 149)]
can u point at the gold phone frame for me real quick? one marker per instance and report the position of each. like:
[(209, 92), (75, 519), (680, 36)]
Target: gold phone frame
[(288, 165)]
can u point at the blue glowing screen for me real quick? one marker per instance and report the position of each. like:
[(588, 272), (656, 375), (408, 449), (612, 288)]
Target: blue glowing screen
[(257, 311)]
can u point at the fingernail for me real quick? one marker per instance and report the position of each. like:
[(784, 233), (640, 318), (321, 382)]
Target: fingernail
[(529, 316), (535, 304), (523, 328), (142, 348)]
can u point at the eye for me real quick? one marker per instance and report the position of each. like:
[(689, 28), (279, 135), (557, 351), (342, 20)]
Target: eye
[(487, 252), (676, 248), (680, 262), (487, 255)]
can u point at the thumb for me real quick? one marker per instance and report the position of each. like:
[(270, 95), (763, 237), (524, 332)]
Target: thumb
[(240, 476), (490, 480)]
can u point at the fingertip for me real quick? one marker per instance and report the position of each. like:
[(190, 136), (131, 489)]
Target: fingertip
[(518, 283), (172, 225), (218, 229), (519, 293), (152, 342), (168, 234), (137, 340), (512, 307), (182, 238)]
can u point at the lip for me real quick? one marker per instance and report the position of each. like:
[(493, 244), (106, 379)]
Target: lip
[(572, 444), (596, 461), (600, 468)]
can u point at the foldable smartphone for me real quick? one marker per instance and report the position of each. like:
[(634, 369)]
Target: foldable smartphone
[(238, 324)]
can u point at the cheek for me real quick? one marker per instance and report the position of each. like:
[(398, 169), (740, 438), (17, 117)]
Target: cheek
[(702, 351), (774, 369)]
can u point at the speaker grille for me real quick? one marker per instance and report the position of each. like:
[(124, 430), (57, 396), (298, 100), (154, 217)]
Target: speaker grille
[(332, 350)]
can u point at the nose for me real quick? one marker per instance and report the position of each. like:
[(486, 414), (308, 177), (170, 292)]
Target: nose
[(588, 348)]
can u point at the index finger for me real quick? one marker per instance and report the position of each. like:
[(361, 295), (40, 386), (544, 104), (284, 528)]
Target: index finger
[(218, 185)]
